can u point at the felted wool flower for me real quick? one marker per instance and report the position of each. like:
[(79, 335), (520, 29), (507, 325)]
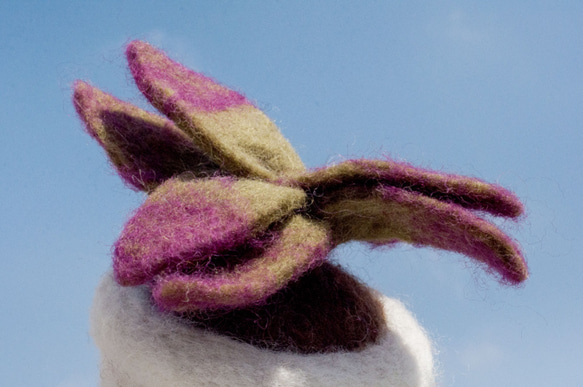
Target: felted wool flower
[(225, 265)]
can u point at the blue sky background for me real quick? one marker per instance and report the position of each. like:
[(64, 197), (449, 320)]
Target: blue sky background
[(487, 89)]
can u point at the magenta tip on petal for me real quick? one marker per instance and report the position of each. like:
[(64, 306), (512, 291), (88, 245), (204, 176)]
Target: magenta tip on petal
[(166, 83)]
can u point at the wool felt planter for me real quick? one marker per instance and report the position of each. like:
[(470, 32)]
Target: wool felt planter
[(142, 347), (222, 276)]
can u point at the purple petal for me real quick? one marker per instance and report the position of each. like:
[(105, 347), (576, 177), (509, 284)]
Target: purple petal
[(302, 245), (188, 221), (145, 148), (467, 192), (392, 213), (222, 122), (166, 82)]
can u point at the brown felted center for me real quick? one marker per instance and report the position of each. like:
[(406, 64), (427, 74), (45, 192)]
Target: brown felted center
[(326, 310)]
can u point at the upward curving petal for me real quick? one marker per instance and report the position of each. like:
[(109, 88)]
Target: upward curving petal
[(145, 148), (388, 214), (222, 122)]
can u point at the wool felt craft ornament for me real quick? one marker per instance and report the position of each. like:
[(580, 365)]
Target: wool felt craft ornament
[(226, 264)]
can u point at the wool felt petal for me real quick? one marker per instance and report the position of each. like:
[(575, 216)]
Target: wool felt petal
[(468, 192), (301, 245), (145, 148), (222, 122), (185, 221), (388, 214), (235, 235)]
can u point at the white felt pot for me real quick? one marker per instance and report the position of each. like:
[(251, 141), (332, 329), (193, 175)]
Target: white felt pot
[(142, 347)]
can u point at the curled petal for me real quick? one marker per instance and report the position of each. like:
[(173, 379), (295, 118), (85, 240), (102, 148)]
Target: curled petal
[(222, 122), (145, 148), (467, 192), (390, 214), (302, 244), (186, 221)]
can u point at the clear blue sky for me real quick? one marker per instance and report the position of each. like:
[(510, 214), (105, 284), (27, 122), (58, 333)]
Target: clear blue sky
[(488, 89)]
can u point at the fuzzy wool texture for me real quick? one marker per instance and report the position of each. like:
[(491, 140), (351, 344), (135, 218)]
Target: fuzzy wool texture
[(188, 221), (394, 214), (222, 122), (467, 192), (145, 148), (301, 245), (142, 347), (297, 318), (234, 220)]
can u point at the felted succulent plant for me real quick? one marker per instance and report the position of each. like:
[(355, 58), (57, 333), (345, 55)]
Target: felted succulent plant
[(235, 233)]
